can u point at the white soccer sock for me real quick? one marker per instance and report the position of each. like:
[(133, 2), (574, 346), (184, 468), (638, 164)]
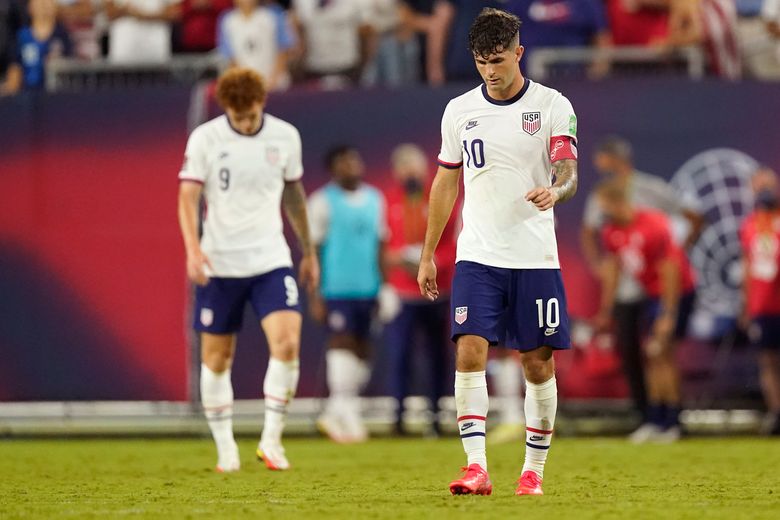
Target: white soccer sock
[(279, 386), (541, 403), (508, 382), (471, 401), (216, 393), (346, 374)]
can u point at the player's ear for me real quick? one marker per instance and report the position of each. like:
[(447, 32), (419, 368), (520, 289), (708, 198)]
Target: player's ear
[(519, 51)]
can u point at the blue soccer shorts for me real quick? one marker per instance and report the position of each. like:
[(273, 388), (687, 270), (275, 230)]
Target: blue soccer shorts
[(764, 332), (219, 305), (523, 309), (350, 316), (684, 312)]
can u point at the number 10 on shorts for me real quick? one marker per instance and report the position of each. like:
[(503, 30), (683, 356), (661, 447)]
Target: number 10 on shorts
[(552, 316)]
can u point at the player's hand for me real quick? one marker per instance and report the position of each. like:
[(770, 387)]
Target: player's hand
[(663, 327), (196, 267), (543, 198), (309, 272), (426, 279)]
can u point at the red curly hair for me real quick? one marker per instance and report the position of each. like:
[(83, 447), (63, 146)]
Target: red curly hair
[(240, 88)]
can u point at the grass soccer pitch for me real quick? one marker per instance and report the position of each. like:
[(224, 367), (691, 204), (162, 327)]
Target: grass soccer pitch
[(730, 478)]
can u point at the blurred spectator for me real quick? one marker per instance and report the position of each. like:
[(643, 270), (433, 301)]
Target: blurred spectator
[(199, 23), (638, 22), (36, 44), (561, 23), (398, 51), (419, 318), (258, 37), (10, 23), (638, 242), (449, 58), (338, 40), (140, 30), (416, 19), (760, 235), (711, 25), (614, 159), (771, 16), (87, 25)]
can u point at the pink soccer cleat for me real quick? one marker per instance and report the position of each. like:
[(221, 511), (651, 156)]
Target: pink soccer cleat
[(474, 482), (529, 484)]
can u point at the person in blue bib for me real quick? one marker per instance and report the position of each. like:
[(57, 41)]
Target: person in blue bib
[(347, 218), (37, 43)]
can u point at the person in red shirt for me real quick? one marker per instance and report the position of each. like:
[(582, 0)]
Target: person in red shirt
[(760, 236), (638, 22), (407, 214), (639, 241), (199, 23)]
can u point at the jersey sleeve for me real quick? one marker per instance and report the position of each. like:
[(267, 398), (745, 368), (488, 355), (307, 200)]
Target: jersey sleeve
[(194, 167), (564, 120), (662, 244), (563, 131), (319, 216), (223, 37), (293, 170), (285, 38), (450, 155)]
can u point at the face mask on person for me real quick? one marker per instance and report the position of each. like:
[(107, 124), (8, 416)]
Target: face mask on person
[(766, 199), (413, 186)]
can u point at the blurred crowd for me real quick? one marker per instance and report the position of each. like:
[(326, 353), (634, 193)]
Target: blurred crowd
[(336, 43)]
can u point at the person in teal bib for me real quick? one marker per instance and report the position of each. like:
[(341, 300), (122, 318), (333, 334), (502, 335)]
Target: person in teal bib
[(348, 223)]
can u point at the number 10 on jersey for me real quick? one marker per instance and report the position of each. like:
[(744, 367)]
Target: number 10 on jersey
[(475, 152)]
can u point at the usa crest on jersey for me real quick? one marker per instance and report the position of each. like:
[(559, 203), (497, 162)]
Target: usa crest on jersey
[(272, 155), (461, 315), (532, 122)]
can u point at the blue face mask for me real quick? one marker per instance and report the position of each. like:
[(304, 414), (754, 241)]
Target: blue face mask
[(766, 199)]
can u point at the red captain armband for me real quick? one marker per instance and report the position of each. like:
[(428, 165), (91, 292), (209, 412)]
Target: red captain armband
[(563, 147)]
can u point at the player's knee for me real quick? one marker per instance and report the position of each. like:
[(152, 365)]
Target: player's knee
[(538, 369), (285, 347), (470, 359), (217, 360)]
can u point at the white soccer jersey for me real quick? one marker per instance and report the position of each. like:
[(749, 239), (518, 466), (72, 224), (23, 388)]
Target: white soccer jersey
[(243, 178), (504, 149)]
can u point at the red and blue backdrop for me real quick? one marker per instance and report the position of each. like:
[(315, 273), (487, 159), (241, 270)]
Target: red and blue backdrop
[(93, 294)]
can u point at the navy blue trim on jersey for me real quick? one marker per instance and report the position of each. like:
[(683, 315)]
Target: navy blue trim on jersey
[(242, 134), (516, 97), (450, 166), (536, 446)]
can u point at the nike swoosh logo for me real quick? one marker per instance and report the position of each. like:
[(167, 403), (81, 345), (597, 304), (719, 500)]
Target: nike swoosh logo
[(549, 332)]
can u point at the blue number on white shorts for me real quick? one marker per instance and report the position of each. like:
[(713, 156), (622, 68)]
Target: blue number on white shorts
[(553, 315), (292, 291)]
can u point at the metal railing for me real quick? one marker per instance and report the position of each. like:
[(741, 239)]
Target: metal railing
[(689, 61), (79, 75)]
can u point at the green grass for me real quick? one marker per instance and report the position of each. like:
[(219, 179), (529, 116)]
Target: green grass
[(592, 478)]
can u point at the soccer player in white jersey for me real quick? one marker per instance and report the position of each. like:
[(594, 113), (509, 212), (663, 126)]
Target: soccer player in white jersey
[(245, 163), (515, 142)]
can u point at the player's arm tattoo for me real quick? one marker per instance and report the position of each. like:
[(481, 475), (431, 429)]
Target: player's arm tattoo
[(294, 204), (565, 179)]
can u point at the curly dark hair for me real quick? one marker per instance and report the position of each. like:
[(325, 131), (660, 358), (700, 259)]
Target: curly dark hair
[(493, 31)]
